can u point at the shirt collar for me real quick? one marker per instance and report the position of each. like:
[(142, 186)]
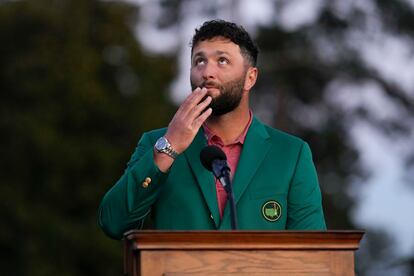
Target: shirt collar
[(215, 139)]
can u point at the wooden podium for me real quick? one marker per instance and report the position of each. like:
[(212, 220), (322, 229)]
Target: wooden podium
[(240, 252)]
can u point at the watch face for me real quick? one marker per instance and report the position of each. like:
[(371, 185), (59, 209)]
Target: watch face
[(161, 143)]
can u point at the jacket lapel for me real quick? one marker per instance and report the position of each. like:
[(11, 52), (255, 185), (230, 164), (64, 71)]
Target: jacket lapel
[(205, 179), (254, 151)]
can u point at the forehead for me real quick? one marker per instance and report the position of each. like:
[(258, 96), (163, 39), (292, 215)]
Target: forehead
[(217, 45)]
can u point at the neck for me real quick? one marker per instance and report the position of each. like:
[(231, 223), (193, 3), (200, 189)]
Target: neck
[(231, 125)]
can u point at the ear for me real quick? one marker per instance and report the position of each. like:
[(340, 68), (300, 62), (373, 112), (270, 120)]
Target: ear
[(251, 77)]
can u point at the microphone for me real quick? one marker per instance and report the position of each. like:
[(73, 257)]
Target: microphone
[(215, 160)]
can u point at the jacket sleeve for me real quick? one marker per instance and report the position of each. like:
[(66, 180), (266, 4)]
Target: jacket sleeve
[(305, 210), (126, 204)]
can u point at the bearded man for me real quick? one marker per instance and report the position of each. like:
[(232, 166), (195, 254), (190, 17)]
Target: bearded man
[(274, 179)]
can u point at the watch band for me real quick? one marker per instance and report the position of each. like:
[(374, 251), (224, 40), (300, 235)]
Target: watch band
[(170, 152)]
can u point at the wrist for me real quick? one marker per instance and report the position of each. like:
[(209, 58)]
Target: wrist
[(164, 146), (174, 142), (162, 161)]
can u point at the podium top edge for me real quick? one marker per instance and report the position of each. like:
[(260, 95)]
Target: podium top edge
[(227, 240), (241, 232)]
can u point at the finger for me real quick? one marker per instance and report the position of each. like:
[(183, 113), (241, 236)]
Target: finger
[(193, 94), (198, 109), (184, 105), (202, 118), (200, 95), (194, 99)]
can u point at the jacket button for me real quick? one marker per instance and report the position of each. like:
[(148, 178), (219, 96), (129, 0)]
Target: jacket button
[(146, 182)]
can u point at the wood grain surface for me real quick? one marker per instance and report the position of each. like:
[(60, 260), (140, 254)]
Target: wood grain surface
[(240, 252)]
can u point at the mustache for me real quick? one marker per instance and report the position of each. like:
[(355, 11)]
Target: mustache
[(210, 83)]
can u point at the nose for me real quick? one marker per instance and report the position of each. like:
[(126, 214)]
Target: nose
[(209, 71)]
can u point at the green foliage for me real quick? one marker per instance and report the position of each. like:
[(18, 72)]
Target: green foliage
[(76, 93)]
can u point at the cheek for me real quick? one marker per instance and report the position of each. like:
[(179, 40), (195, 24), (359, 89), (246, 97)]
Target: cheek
[(195, 76)]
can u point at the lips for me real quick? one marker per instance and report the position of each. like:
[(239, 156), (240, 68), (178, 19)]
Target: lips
[(210, 85), (212, 90)]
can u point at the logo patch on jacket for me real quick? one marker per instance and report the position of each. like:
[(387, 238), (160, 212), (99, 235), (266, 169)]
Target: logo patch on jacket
[(271, 210)]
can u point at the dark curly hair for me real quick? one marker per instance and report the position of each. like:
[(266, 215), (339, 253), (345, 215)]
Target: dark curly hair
[(237, 34)]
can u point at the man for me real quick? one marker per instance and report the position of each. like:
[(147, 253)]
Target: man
[(274, 180)]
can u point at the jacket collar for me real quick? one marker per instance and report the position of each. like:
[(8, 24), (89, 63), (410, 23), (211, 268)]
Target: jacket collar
[(205, 179), (254, 151)]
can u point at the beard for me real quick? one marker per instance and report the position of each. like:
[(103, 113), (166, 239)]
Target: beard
[(229, 98)]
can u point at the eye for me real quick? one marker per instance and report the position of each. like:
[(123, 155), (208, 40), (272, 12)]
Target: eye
[(223, 61), (199, 61)]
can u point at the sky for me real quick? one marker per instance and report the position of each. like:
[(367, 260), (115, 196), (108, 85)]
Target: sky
[(385, 200)]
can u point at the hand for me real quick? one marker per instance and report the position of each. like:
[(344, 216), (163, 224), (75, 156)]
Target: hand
[(188, 119), (184, 125)]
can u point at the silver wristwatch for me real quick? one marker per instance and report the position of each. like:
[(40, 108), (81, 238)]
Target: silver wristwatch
[(162, 145)]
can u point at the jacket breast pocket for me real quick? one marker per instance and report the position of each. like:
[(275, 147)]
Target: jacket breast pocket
[(268, 210)]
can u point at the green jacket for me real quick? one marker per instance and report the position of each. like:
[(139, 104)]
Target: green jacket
[(275, 188)]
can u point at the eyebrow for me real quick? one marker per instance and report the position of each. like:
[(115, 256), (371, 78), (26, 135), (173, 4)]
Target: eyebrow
[(217, 53)]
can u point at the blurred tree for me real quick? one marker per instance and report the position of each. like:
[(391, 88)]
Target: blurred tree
[(77, 92)]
